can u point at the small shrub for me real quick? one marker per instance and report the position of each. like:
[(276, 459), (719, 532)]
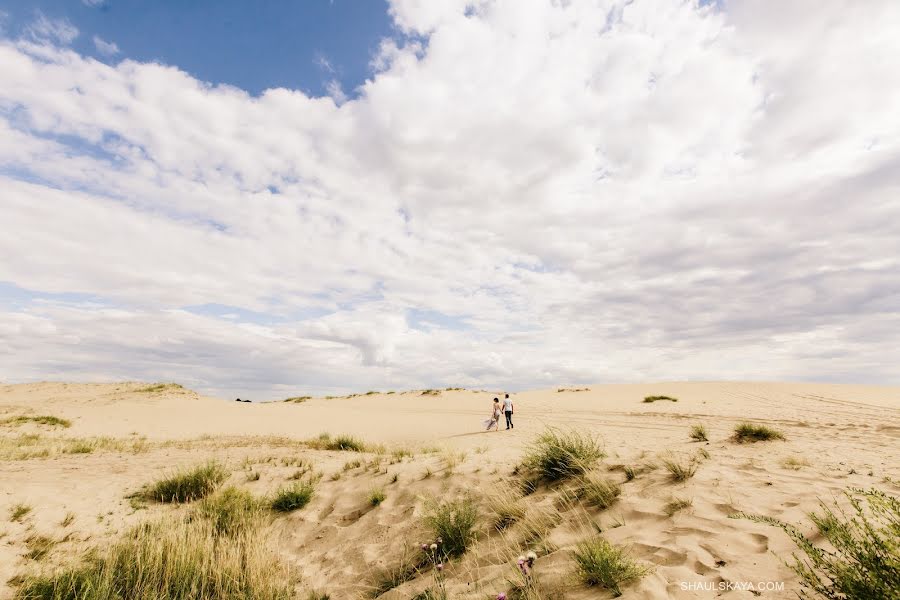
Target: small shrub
[(187, 486), (18, 511), (749, 432), (342, 442), (679, 469), (376, 496), (453, 522), (39, 420), (864, 559), (599, 492), (556, 455), (677, 504), (293, 497), (698, 433), (600, 563), (649, 399)]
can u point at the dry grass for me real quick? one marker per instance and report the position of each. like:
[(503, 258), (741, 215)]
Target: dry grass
[(17, 512), (38, 420), (557, 454), (599, 563), (677, 504), (506, 506), (36, 446), (794, 463), (749, 432), (698, 433), (599, 492), (186, 485), (650, 399), (679, 468)]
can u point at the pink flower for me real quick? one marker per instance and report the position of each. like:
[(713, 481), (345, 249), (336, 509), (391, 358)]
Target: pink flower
[(440, 566), (424, 546), (501, 596)]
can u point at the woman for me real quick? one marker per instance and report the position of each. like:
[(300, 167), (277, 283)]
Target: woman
[(494, 421)]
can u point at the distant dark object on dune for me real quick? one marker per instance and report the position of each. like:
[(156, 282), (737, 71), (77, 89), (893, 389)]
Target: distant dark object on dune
[(245, 400), (239, 400)]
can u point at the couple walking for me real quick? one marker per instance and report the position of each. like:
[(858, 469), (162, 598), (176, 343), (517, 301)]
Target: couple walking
[(498, 409)]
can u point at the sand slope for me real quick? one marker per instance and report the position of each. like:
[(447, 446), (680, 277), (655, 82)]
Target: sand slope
[(848, 434)]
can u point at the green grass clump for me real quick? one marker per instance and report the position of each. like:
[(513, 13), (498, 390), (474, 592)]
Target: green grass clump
[(649, 399), (293, 497), (864, 558), (557, 454), (749, 432), (297, 399), (454, 522), (679, 469), (376, 496), (597, 562), (341, 442), (599, 492), (230, 511), (174, 559), (698, 433), (39, 420), (187, 486), (18, 511)]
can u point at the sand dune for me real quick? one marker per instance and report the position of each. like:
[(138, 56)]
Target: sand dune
[(129, 435)]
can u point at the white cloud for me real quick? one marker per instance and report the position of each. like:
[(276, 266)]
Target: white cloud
[(536, 194), (59, 31), (93, 3), (105, 48), (333, 87)]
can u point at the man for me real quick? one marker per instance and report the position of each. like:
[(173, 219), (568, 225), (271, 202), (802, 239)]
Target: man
[(508, 410)]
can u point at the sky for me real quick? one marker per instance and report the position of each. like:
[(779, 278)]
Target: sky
[(292, 198)]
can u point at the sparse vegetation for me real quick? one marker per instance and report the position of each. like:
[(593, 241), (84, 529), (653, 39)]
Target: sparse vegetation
[(863, 560), (297, 399), (187, 486), (453, 521), (676, 504), (175, 559), (230, 511), (698, 433), (68, 519), (159, 387), (388, 578), (38, 546), (794, 463), (253, 475), (557, 454), (506, 507), (650, 399), (376, 496), (750, 432), (293, 497), (430, 393), (599, 492), (18, 511), (341, 442), (679, 468), (38, 420), (600, 563)]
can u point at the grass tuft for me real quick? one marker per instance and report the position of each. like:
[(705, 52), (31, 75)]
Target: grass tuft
[(599, 492), (676, 504), (342, 442), (597, 562), (293, 497), (557, 454), (749, 432), (794, 463), (230, 511), (38, 546), (679, 469), (376, 496), (187, 486), (454, 522), (18, 511), (506, 507), (698, 433), (864, 558), (650, 399), (39, 420), (159, 387)]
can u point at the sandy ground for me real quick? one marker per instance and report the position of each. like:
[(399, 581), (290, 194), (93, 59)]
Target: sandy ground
[(847, 434)]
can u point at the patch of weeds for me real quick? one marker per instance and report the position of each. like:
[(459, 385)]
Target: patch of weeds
[(506, 507), (557, 454), (676, 504), (188, 485), (230, 511), (67, 520), (599, 563), (376, 496), (679, 469), (599, 492), (38, 546), (159, 387), (794, 463), (453, 521), (293, 497), (650, 399), (698, 433), (298, 399), (39, 420), (864, 558), (18, 511), (750, 432), (346, 443)]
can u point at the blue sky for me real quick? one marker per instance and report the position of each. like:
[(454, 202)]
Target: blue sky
[(542, 194), (249, 44)]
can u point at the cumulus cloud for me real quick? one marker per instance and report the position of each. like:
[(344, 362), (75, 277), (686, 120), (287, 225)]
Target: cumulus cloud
[(105, 48), (524, 193)]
